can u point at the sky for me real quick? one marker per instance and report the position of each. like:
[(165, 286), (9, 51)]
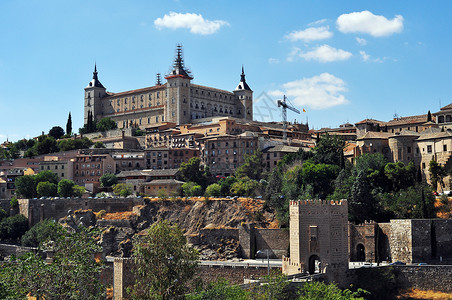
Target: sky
[(339, 61)]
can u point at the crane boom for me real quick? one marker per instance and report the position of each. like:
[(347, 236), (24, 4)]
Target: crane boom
[(284, 106)]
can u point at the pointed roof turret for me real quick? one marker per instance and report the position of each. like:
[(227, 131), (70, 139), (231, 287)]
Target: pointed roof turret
[(242, 84), (179, 69), (95, 82)]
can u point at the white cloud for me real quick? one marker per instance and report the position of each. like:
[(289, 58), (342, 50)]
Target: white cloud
[(272, 60), (361, 41), (364, 55), (325, 53), (318, 22), (196, 23), (367, 22), (310, 34), (319, 92), (294, 54)]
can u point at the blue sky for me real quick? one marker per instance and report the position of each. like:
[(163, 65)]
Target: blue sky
[(341, 61)]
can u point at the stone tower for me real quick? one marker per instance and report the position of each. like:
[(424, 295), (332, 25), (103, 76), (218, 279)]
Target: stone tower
[(245, 96), (178, 83), (94, 92), (318, 238)]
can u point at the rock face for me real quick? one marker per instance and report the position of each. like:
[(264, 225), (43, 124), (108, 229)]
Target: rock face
[(209, 224)]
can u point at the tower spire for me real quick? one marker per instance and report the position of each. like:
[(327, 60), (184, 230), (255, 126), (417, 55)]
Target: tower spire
[(95, 81), (158, 80), (95, 72), (242, 84), (178, 65)]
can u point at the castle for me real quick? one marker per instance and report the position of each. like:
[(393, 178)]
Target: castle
[(177, 101)]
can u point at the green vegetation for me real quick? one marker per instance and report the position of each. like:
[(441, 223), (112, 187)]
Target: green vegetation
[(163, 263), (275, 287), (122, 189), (108, 180), (72, 274), (42, 231), (105, 124), (12, 228), (56, 132)]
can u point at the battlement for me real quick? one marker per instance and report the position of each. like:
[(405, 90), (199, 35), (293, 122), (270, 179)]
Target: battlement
[(317, 202)]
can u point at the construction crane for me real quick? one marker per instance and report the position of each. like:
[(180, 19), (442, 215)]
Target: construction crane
[(284, 106)]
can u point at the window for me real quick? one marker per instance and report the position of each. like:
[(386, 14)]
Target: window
[(56, 167), (408, 149), (429, 148), (444, 148)]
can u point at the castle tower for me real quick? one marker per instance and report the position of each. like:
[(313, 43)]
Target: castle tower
[(94, 92), (177, 109), (245, 96), (318, 238)]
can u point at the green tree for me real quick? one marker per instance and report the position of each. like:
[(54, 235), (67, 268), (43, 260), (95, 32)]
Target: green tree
[(213, 190), (46, 189), (56, 132), (99, 145), (362, 205), (46, 144), (401, 176), (40, 232), (318, 290), (105, 124), (26, 186), (320, 176), (225, 184), (221, 290), (46, 176), (73, 273), (373, 166), (437, 174), (244, 187), (191, 171), (163, 263), (329, 150), (65, 188), (108, 179), (12, 228), (122, 189), (69, 125), (72, 144), (252, 167), (77, 191)]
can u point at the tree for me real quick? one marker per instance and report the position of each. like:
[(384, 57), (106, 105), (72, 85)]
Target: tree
[(46, 176), (329, 150), (72, 274), (77, 191), (26, 186), (252, 167), (46, 189), (244, 187), (40, 232), (72, 144), (65, 188), (319, 290), (320, 176), (437, 174), (12, 228), (56, 132), (108, 179), (99, 145), (163, 263), (105, 124), (362, 205), (191, 189), (401, 176), (122, 189), (429, 116), (46, 144), (213, 190), (69, 125), (191, 171), (225, 184)]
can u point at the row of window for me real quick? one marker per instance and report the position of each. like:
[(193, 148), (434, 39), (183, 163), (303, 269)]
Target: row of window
[(87, 173), (56, 167), (226, 144)]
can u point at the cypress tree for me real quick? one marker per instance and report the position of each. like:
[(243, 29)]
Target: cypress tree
[(69, 125), (429, 116)]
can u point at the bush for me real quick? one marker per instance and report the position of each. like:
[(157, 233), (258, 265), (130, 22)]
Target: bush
[(108, 179), (213, 190), (39, 233), (46, 189), (14, 202), (12, 228)]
